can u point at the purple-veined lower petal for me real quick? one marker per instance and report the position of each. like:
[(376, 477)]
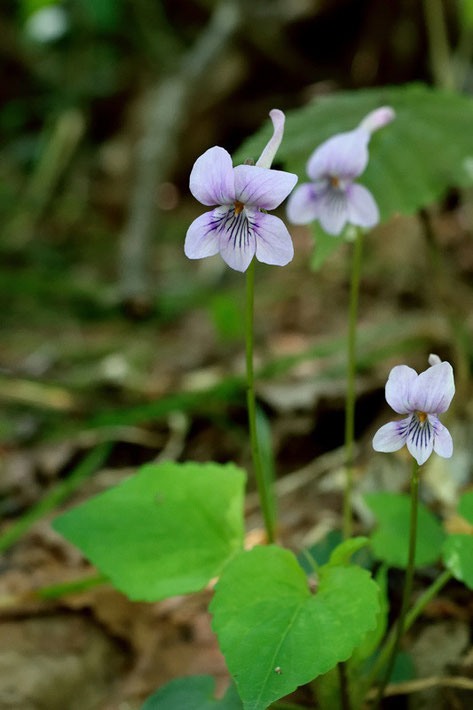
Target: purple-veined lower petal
[(273, 241), (333, 210), (267, 156), (303, 204), (212, 180), (343, 156), (443, 444), (237, 241), (377, 119), (362, 208), (420, 439), (398, 388), (262, 187), (433, 390), (392, 436), (202, 237)]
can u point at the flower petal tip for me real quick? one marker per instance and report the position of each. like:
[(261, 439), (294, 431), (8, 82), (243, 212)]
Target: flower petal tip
[(267, 156), (377, 119), (434, 359)]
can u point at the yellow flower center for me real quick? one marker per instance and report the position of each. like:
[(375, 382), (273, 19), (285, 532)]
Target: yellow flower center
[(334, 181), (422, 416), (238, 207)]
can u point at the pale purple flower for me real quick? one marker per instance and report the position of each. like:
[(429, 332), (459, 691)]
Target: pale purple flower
[(333, 197), (423, 397), (237, 227)]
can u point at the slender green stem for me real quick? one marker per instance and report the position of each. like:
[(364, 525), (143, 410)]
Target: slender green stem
[(427, 597), (439, 47), (407, 582), (263, 489), (410, 619), (350, 394), (56, 591), (344, 689)]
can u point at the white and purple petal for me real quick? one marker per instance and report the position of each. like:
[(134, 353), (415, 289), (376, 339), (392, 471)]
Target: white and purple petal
[(267, 156), (433, 390), (237, 240), (343, 156), (303, 204), (212, 181), (202, 238), (362, 208), (273, 241), (262, 187), (333, 210), (398, 388), (392, 437), (443, 444), (420, 439)]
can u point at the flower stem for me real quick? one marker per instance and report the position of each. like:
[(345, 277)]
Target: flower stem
[(262, 483), (350, 393), (407, 583), (439, 47)]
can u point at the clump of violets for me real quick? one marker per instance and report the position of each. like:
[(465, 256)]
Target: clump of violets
[(422, 397), (333, 197), (237, 227)]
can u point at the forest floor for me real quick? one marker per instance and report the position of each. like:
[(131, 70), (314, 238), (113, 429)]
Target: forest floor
[(75, 371)]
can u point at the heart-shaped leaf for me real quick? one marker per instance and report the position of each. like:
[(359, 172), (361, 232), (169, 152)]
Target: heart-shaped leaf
[(343, 553), (193, 693), (413, 161), (275, 634), (426, 149), (458, 549), (457, 556), (390, 541), (167, 530), (465, 506)]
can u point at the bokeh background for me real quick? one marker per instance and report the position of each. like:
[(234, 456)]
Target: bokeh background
[(111, 337)]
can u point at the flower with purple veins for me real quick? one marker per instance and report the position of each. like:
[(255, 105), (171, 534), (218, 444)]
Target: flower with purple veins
[(333, 197), (237, 227), (423, 397)]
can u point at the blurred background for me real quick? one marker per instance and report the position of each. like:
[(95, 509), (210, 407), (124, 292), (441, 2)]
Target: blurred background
[(116, 350)]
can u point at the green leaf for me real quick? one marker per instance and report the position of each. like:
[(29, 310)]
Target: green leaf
[(457, 556), (167, 530), (275, 634), (104, 15), (457, 552), (325, 245), (413, 161), (390, 541), (265, 441), (374, 636), (466, 13), (342, 554), (465, 507), (193, 693), (227, 315)]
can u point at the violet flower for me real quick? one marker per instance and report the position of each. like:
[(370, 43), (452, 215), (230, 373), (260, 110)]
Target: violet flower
[(237, 227), (333, 197), (423, 397)]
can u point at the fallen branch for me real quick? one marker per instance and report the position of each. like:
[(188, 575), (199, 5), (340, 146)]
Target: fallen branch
[(166, 116), (414, 686)]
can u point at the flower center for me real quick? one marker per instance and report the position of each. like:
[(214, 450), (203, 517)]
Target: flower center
[(422, 416), (334, 181), (238, 207)]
